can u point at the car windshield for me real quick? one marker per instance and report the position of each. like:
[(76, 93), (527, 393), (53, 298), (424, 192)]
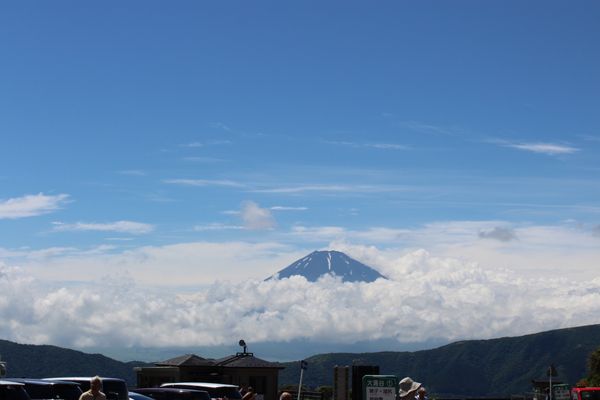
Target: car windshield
[(55, 391), (66, 392), (590, 395), (229, 392), (10, 392)]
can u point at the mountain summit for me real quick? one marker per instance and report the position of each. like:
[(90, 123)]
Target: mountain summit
[(319, 263)]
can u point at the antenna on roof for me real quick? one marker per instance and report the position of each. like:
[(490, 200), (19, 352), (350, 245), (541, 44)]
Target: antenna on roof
[(242, 343)]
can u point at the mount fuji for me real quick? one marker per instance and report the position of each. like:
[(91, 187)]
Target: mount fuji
[(319, 263)]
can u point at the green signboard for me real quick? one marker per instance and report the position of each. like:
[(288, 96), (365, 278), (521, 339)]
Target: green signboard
[(379, 387)]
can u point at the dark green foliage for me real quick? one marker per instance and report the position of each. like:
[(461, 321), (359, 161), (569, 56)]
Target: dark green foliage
[(32, 361), (594, 368), (326, 390), (493, 367)]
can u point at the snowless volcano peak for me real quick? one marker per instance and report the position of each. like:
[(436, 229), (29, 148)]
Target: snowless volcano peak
[(319, 263)]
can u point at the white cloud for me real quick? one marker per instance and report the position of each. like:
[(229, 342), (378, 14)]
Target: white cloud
[(461, 287), (255, 217), (190, 264), (369, 235), (216, 227), (204, 182), (335, 188), (31, 205), (381, 146), (136, 228), (544, 148), (499, 233), (231, 212), (428, 297), (287, 208), (207, 143), (539, 250)]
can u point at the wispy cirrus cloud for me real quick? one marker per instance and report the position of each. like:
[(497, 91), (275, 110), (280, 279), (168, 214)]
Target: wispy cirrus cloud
[(205, 182), (551, 149), (206, 143), (333, 188), (31, 205), (216, 227), (286, 208), (131, 227), (427, 128), (382, 146)]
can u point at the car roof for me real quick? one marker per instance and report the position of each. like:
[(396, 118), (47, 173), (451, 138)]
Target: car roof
[(136, 394), (7, 383), (199, 384), (81, 379), (168, 390), (32, 381)]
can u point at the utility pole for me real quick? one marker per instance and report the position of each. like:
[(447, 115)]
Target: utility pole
[(303, 365)]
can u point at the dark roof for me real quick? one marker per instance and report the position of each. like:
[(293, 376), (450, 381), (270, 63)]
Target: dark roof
[(246, 361), (185, 360)]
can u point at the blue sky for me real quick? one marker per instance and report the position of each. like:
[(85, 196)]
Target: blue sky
[(255, 132)]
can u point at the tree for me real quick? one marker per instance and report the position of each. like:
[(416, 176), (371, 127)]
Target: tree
[(327, 392), (594, 368)]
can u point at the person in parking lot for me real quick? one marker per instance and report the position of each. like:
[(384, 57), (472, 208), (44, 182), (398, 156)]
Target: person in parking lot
[(94, 393), (250, 394), (285, 396), (407, 389)]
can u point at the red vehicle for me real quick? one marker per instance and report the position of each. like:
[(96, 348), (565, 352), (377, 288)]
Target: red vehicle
[(585, 393)]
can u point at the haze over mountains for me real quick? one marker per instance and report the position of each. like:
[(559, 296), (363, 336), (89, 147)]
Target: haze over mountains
[(335, 263)]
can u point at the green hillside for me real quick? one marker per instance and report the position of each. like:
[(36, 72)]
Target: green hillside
[(33, 361), (472, 368)]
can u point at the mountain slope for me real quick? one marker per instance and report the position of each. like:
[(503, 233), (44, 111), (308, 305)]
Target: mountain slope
[(319, 263), (41, 361), (492, 367), (471, 368)]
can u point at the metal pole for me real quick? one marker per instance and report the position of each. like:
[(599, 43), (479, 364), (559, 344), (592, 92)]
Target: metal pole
[(550, 384), (300, 384)]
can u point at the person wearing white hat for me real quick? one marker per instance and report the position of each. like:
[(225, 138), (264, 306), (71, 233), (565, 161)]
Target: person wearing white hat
[(407, 389)]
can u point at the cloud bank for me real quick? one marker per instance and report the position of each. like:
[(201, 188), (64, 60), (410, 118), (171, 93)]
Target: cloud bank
[(426, 297)]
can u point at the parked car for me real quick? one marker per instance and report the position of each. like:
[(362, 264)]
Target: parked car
[(42, 389), (138, 396), (174, 393), (585, 393), (216, 390), (113, 388), (12, 391)]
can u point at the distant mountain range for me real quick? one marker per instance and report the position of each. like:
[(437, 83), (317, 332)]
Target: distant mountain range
[(42, 361), (335, 263), (495, 367), (492, 367)]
